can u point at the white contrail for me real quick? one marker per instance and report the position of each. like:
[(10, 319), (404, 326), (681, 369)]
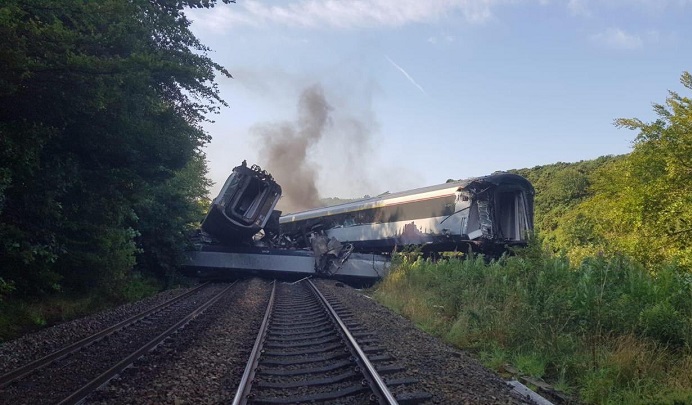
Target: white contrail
[(408, 76)]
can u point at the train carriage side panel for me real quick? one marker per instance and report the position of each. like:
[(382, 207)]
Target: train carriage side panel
[(496, 208)]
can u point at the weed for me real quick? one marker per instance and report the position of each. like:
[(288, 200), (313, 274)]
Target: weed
[(606, 327), (496, 357), (530, 364)]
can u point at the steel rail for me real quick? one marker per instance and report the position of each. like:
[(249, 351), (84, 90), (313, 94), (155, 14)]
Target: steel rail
[(245, 384), (82, 393), (380, 387), (29, 368)]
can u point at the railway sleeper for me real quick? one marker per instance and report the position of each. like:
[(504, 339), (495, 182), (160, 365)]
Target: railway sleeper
[(307, 370), (289, 326), (284, 331), (346, 376), (412, 398), (291, 313), (295, 303), (297, 323), (303, 342), (303, 352), (324, 396), (390, 368), (300, 336), (380, 357), (305, 360), (374, 349)]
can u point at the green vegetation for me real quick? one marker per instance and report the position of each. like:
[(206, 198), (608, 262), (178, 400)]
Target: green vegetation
[(20, 316), (607, 329), (600, 302), (560, 189), (102, 173), (638, 204), (101, 167)]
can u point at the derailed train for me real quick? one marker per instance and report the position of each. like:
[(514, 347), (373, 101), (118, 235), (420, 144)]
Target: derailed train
[(244, 206), (484, 214)]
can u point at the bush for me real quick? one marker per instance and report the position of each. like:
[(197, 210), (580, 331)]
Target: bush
[(607, 326)]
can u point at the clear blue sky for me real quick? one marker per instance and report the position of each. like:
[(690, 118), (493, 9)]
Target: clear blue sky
[(442, 89)]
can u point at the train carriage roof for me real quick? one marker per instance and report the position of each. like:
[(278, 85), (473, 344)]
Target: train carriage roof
[(496, 179)]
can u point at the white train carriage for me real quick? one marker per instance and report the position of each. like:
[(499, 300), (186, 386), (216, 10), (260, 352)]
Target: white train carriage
[(486, 213)]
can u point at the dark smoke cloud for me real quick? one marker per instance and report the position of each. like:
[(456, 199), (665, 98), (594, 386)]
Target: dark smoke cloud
[(285, 147)]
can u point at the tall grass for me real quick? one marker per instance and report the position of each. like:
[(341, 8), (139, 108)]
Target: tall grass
[(608, 329)]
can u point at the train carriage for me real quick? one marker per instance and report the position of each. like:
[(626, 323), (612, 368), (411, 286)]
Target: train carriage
[(244, 205), (485, 213)]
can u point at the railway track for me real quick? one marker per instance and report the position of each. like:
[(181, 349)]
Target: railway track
[(70, 374), (308, 350)]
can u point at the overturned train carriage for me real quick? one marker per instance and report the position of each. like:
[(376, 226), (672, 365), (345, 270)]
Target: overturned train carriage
[(485, 214), (244, 205), (226, 247)]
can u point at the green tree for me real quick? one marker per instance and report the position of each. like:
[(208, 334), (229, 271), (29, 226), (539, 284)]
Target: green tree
[(167, 218), (560, 189), (101, 105), (660, 177), (641, 204), (567, 185)]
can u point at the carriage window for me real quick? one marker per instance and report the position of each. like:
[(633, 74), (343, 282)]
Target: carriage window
[(251, 199)]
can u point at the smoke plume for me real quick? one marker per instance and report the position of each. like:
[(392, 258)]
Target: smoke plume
[(285, 148)]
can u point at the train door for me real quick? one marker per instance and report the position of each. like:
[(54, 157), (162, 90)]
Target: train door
[(512, 219)]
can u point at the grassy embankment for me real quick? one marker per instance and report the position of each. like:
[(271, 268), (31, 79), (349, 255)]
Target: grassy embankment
[(607, 330)]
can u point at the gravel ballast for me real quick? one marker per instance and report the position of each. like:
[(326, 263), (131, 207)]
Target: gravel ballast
[(36, 345), (449, 374), (203, 362), (63, 377)]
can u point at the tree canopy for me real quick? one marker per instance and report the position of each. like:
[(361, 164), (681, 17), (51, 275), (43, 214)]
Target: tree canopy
[(101, 166), (639, 204)]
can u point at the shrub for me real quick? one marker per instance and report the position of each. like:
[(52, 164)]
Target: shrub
[(607, 326)]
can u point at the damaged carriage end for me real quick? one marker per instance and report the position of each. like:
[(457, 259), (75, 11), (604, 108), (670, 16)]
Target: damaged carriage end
[(244, 206), (496, 212), (330, 254)]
